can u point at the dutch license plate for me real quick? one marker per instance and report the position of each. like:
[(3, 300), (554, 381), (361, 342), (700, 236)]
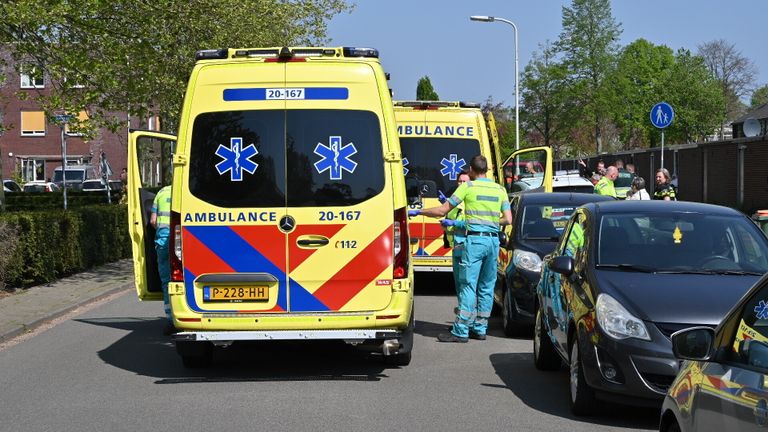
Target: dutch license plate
[(235, 294)]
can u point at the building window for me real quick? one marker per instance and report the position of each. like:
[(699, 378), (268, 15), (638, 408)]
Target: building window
[(33, 169), (32, 123), (32, 77), (82, 117)]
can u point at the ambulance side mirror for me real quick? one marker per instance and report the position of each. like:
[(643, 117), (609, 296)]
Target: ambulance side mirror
[(413, 190)]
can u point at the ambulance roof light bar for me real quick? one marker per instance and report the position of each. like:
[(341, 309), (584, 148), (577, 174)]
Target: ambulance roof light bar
[(436, 104), (212, 54)]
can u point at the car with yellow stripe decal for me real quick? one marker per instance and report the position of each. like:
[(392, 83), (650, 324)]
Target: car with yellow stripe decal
[(438, 138), (288, 208)]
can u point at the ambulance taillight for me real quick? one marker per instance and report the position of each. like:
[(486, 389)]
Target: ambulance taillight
[(402, 253), (177, 271)]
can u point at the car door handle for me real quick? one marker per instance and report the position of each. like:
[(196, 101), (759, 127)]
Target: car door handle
[(312, 241)]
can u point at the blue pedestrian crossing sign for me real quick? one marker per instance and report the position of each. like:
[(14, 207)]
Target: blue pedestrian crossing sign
[(662, 115)]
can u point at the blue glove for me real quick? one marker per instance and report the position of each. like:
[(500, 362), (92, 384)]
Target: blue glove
[(441, 197), (412, 213), (447, 222)]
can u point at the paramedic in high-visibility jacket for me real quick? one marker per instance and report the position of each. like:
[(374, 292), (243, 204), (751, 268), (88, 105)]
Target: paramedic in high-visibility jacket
[(161, 221), (484, 203)]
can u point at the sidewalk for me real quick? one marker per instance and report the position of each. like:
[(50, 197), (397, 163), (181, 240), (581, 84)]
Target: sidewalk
[(26, 309)]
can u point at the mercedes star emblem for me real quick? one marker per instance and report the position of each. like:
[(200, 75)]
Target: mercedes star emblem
[(287, 223)]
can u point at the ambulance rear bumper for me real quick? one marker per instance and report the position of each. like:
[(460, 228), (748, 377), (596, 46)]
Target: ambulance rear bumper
[(350, 336)]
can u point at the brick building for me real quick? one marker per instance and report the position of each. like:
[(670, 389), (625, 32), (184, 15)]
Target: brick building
[(30, 147)]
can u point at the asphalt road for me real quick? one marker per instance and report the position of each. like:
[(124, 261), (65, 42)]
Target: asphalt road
[(110, 368)]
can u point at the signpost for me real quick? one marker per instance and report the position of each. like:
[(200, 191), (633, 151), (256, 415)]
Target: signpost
[(62, 120), (662, 115)]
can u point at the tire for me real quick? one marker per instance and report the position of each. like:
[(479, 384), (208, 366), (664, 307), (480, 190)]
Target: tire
[(544, 355), (511, 329), (404, 354), (195, 355), (582, 397)]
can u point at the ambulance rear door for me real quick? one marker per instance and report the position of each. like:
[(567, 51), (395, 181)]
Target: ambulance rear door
[(149, 168), (529, 169), (339, 193)]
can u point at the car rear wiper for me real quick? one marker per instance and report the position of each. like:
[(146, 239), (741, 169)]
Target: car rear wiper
[(629, 267)]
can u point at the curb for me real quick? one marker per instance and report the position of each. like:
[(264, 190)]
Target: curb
[(26, 328)]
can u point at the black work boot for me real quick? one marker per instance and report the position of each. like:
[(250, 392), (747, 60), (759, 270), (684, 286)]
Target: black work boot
[(476, 336), (450, 337)]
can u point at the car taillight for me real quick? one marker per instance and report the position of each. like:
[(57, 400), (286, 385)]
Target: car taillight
[(402, 253), (177, 270)]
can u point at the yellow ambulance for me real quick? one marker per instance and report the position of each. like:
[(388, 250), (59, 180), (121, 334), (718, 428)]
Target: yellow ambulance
[(438, 140), (289, 207)]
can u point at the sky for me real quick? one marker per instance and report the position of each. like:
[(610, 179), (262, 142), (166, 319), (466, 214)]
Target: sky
[(469, 61)]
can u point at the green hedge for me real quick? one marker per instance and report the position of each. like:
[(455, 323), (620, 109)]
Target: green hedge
[(21, 201), (56, 243)]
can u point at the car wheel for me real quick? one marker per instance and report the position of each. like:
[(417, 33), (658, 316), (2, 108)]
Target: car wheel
[(510, 328), (403, 357), (544, 355), (672, 427), (582, 396)]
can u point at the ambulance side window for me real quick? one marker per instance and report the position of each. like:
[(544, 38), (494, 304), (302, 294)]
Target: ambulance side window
[(237, 158), (751, 338), (335, 157)]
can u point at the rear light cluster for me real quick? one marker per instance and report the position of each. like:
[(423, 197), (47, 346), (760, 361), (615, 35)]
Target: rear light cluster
[(402, 253), (177, 270)]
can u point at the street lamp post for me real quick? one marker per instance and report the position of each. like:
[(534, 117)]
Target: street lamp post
[(62, 120), (483, 18)]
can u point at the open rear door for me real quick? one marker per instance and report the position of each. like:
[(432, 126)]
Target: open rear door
[(529, 169), (149, 169)]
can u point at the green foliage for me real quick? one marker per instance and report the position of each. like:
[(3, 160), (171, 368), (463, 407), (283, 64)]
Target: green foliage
[(588, 44), (425, 91), (638, 82), (9, 240), (505, 125), (55, 200), (759, 97), (109, 56), (52, 244)]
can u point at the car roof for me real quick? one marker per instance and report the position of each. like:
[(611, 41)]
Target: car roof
[(562, 197), (660, 206)]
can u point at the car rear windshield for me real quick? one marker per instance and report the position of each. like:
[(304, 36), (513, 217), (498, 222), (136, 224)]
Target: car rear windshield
[(298, 158), (682, 242), (76, 175), (437, 162), (544, 221)]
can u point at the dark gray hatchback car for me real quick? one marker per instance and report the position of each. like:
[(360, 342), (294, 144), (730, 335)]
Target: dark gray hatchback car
[(724, 385)]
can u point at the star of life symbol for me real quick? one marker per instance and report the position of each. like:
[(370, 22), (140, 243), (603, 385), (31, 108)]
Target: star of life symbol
[(236, 159), (761, 310), (451, 166), (335, 157), (405, 163)]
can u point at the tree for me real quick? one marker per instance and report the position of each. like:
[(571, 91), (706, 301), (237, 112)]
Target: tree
[(759, 97), (425, 91), (505, 125), (734, 72), (637, 84), (543, 97), (696, 97), (589, 46), (126, 55)]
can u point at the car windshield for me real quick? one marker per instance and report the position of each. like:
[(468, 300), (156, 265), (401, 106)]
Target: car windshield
[(76, 175), (92, 184), (544, 221), (681, 243)]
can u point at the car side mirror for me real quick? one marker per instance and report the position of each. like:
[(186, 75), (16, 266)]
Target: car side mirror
[(562, 264), (412, 191), (694, 343), (503, 240)]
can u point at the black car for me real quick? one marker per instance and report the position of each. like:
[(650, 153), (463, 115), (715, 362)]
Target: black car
[(625, 276), (538, 218), (723, 386)]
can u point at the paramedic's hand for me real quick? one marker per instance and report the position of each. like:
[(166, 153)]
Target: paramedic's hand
[(441, 197), (447, 222), (412, 213)]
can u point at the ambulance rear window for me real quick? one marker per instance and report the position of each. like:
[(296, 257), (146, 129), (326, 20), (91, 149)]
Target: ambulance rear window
[(438, 160), (274, 158)]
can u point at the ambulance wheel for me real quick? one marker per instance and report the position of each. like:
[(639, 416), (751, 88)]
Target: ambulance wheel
[(195, 355), (403, 357)]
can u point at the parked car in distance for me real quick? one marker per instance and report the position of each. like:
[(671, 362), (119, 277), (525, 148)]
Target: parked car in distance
[(96, 185), (11, 186), (722, 386), (40, 186), (538, 219), (76, 175), (562, 181), (625, 277)]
